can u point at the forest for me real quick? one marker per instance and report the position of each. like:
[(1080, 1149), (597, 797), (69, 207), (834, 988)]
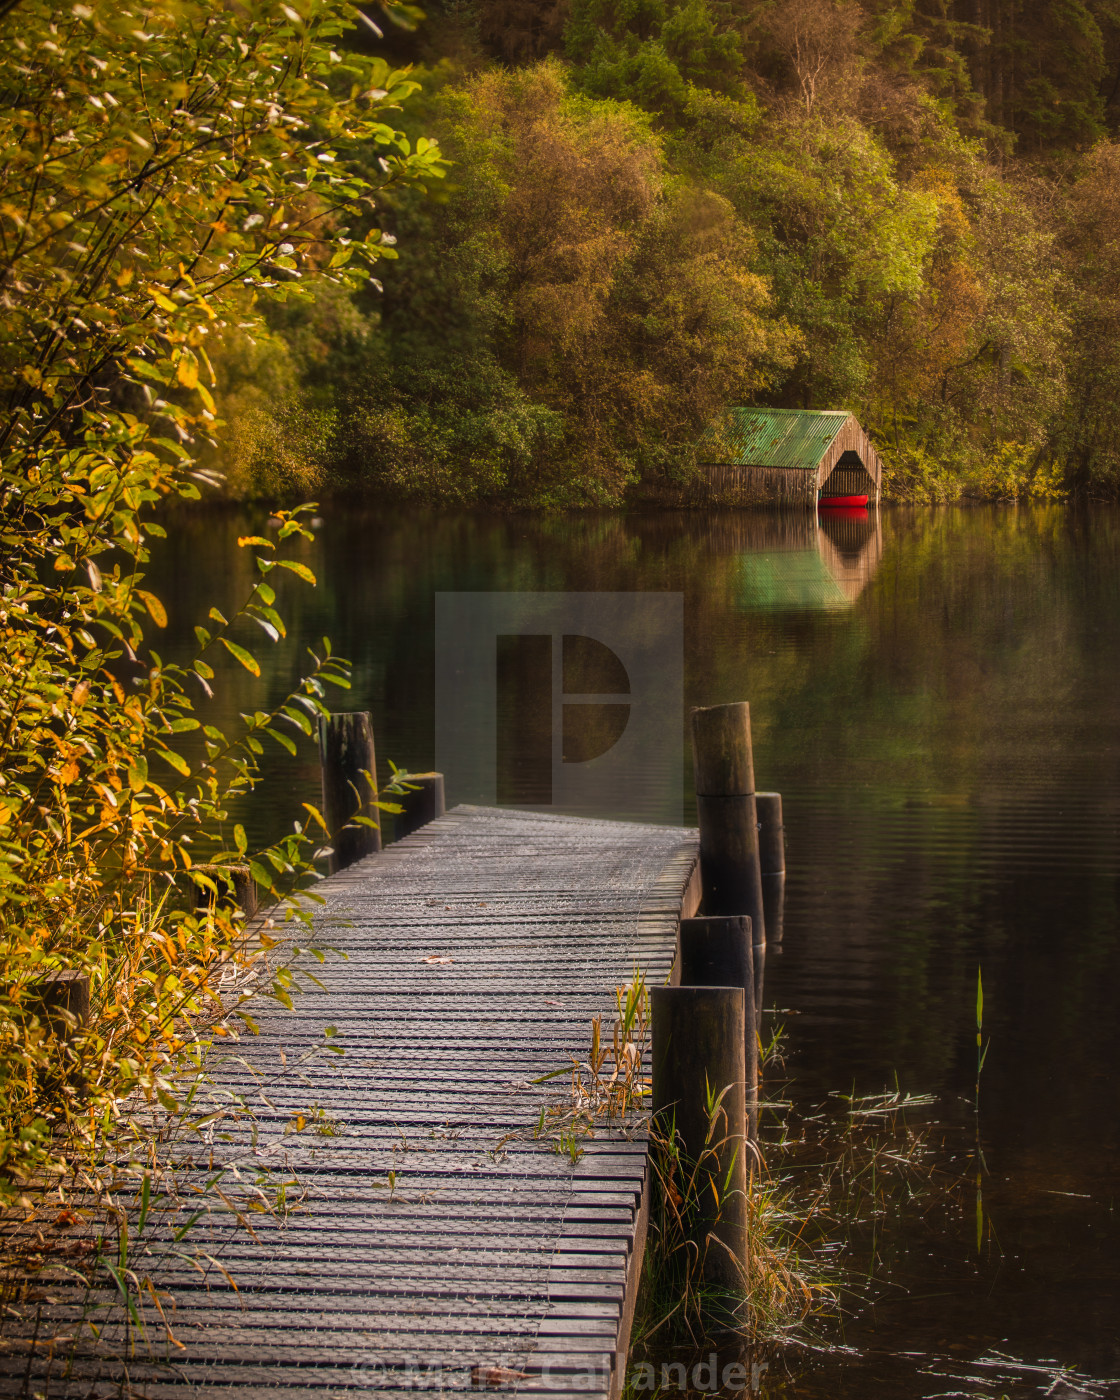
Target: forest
[(501, 254), (652, 209)]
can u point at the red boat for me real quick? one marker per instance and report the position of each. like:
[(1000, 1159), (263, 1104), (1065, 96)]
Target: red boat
[(843, 502)]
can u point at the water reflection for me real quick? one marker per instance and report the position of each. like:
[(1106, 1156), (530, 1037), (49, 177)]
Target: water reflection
[(799, 561), (944, 734)]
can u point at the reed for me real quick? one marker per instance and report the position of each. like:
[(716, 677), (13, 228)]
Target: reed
[(609, 1086)]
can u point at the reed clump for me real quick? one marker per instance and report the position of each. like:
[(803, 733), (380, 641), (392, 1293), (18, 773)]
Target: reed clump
[(816, 1180), (610, 1086)]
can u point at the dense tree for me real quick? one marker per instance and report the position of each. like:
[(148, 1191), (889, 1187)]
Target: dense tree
[(162, 166), (570, 316), (1085, 433), (876, 205)]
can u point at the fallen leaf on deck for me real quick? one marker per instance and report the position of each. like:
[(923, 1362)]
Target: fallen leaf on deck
[(495, 1377)]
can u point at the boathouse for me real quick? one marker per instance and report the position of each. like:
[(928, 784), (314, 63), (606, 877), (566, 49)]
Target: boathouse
[(787, 456)]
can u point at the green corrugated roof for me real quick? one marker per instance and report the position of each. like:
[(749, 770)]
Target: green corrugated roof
[(771, 437), (788, 580)]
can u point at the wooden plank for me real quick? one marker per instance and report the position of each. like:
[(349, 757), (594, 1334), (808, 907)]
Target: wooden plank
[(490, 1249)]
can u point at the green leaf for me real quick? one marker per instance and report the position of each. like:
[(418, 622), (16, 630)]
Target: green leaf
[(261, 874), (300, 570), (176, 761), (247, 659), (283, 740)]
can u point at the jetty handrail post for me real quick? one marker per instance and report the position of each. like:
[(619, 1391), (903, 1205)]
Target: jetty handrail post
[(771, 833), (723, 765), (697, 1056), (349, 765), (772, 860), (235, 884), (421, 803), (720, 952)]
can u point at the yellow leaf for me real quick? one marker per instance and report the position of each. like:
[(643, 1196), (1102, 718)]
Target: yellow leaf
[(156, 610), (186, 371), (32, 375), (161, 299)]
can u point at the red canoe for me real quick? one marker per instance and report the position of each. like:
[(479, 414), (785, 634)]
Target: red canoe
[(829, 502)]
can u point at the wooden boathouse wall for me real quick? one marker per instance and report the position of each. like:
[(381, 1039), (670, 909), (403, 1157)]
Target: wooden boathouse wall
[(849, 465)]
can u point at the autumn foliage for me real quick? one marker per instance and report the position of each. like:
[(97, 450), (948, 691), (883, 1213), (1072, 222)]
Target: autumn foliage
[(656, 209), (165, 166)]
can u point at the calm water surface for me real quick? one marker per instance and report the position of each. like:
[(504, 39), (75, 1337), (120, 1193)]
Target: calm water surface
[(938, 700)]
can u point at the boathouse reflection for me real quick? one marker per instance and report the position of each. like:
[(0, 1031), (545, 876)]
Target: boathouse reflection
[(799, 562)]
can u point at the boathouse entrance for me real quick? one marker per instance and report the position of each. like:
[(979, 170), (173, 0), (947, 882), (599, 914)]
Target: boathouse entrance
[(787, 457)]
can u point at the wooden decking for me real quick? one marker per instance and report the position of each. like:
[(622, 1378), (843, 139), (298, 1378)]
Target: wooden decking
[(486, 1259)]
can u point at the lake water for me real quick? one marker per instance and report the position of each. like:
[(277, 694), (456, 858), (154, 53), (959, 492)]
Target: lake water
[(937, 697)]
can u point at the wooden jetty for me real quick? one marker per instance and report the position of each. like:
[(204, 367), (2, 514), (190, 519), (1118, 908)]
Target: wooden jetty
[(442, 1247)]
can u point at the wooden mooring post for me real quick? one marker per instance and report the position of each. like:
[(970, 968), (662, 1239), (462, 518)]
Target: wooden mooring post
[(723, 764), (771, 833), (420, 804), (772, 859), (235, 884), (698, 1055), (348, 759), (720, 952), (62, 999)]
